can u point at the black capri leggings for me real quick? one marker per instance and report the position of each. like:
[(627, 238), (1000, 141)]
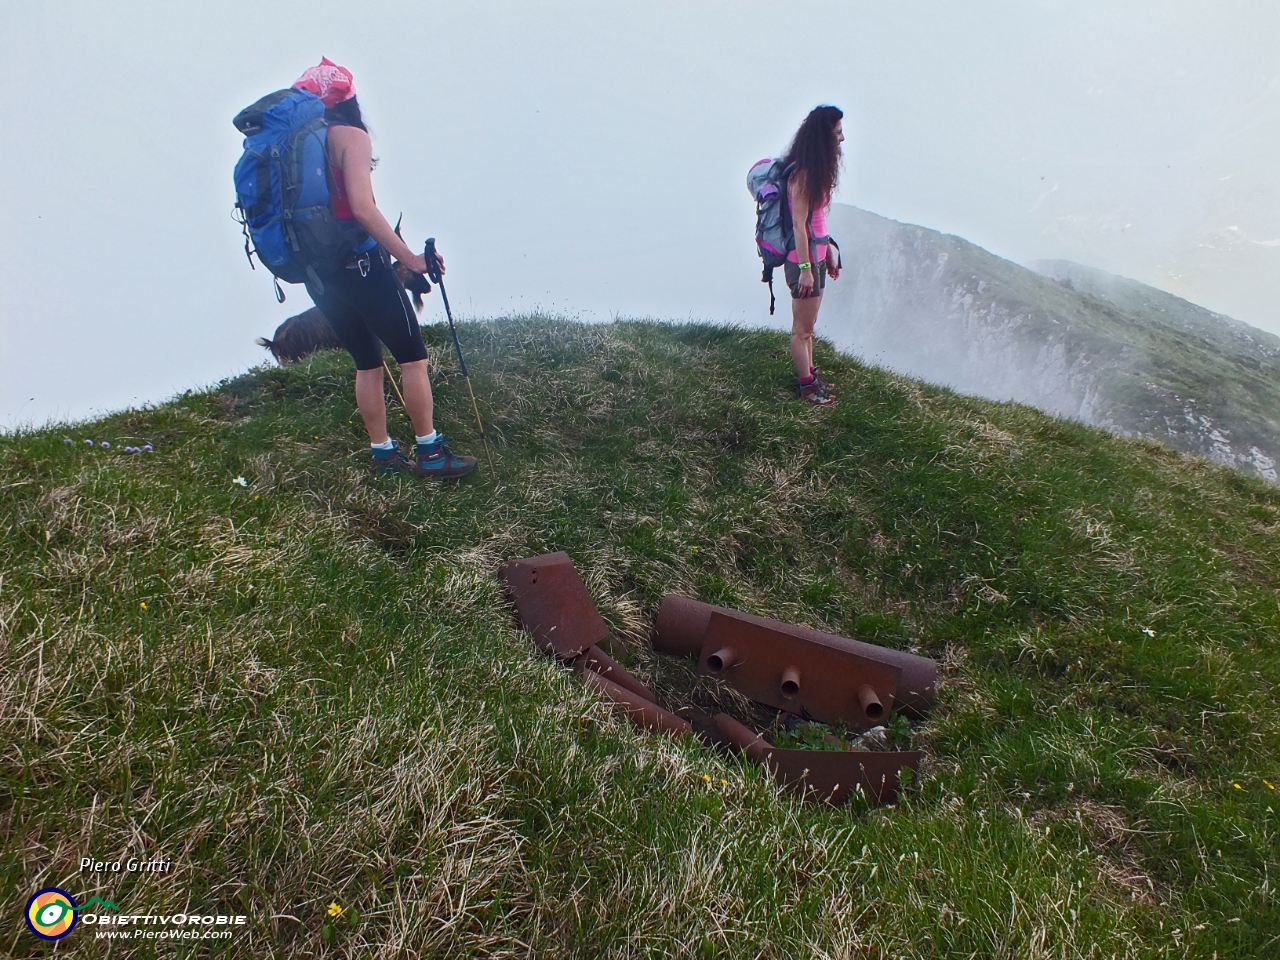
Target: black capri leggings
[(369, 308)]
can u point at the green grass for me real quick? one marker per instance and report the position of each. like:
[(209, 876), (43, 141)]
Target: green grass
[(327, 698)]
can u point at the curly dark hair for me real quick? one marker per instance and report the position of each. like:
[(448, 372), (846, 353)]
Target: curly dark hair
[(816, 153)]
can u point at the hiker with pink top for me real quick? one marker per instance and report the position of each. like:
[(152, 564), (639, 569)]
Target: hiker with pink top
[(815, 151), (793, 194)]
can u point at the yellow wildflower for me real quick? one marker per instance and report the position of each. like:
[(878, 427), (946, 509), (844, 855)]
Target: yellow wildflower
[(1269, 784), (1237, 786), (706, 778), (334, 909), (142, 605)]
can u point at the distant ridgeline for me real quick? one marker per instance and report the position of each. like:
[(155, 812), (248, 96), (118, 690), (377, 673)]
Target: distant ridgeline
[(1068, 339)]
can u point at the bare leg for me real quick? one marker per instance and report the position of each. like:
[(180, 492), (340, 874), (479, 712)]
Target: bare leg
[(804, 314), (417, 395), (373, 408)]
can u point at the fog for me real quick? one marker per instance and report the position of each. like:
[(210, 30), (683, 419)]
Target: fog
[(589, 157)]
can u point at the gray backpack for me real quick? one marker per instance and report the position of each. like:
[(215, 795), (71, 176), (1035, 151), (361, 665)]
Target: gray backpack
[(775, 235), (775, 232)]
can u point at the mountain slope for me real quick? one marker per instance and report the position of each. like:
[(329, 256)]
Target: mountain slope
[(303, 685), (1113, 353)]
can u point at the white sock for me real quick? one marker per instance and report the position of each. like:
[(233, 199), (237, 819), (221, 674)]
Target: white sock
[(429, 439), (387, 444)]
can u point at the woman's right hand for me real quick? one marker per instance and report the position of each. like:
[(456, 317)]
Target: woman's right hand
[(418, 263), (805, 283)]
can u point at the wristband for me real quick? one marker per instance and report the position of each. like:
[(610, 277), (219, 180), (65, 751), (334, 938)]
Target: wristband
[(806, 266)]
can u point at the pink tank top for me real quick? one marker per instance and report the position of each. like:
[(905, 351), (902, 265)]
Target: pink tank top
[(338, 196), (818, 227)]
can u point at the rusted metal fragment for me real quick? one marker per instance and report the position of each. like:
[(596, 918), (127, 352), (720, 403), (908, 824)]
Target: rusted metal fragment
[(681, 626), (682, 630), (640, 711), (554, 604), (752, 744), (805, 676), (597, 661), (825, 776)]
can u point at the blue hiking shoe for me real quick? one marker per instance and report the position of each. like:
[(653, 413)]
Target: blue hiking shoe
[(439, 462), (385, 462)]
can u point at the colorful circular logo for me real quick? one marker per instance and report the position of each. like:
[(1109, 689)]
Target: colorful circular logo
[(51, 913)]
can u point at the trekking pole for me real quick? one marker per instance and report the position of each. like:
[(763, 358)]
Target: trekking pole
[(433, 271), (394, 386)]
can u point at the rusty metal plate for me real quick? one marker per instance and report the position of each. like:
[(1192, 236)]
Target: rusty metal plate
[(681, 629), (554, 605), (832, 776), (802, 675), (825, 776)]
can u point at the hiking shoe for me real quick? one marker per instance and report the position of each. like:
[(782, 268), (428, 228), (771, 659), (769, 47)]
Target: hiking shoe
[(829, 387), (393, 461), (439, 462), (815, 392)]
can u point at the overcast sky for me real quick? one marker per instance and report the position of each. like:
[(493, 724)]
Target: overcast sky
[(589, 157)]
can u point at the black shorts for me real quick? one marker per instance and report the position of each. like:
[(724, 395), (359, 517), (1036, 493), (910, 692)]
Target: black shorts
[(369, 310), (792, 272)]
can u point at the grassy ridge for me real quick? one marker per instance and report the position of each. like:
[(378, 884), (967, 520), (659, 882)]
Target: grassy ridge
[(325, 698)]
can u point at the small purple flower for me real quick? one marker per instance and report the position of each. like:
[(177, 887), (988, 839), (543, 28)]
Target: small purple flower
[(105, 445), (89, 442), (66, 441), (131, 450), (147, 449)]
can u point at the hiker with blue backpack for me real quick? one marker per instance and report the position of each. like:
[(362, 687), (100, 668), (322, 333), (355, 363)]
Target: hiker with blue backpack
[(305, 197), (793, 195)]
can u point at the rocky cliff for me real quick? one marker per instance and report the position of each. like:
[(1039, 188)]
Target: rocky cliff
[(1067, 339)]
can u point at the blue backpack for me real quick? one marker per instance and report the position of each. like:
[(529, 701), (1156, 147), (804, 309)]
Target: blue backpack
[(282, 191)]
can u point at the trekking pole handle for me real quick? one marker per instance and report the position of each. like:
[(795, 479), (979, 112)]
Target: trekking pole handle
[(433, 261)]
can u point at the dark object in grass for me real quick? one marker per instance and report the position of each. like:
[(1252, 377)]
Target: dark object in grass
[(554, 604), (640, 711), (823, 776), (300, 336), (597, 661), (307, 332), (684, 627)]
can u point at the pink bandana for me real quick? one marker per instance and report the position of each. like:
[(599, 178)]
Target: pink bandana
[(328, 81)]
